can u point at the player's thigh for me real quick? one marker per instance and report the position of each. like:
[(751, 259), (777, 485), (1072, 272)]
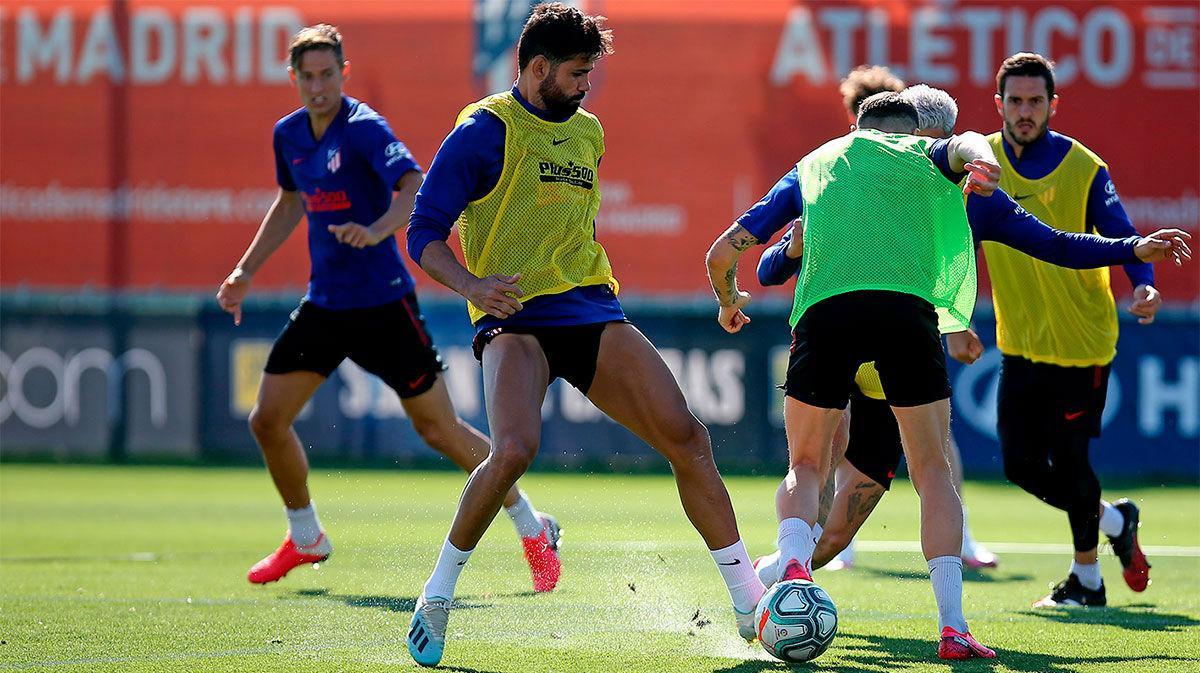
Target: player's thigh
[(827, 349), (515, 377), (391, 342), (875, 447), (924, 432), (810, 431), (1027, 406), (636, 389), (432, 410), (910, 358), (312, 341), (281, 397)]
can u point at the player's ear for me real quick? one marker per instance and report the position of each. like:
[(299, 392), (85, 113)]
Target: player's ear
[(345, 69), (999, 104), (1053, 105), (539, 66), (292, 74)]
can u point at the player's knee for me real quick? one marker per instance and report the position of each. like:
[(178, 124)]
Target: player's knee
[(434, 432), (687, 442), (266, 424), (513, 455)]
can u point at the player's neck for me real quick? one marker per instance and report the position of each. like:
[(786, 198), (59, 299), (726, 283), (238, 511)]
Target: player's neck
[(320, 123), (529, 91)]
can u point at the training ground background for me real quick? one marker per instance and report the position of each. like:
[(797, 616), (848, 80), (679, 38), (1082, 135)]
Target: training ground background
[(143, 569)]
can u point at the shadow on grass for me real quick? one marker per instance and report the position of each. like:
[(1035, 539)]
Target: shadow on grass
[(969, 575), (1137, 617), (884, 654), (386, 603)]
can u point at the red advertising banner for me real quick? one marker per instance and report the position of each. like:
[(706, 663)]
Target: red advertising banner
[(136, 135)]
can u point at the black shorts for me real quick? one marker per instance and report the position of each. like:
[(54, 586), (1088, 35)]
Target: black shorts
[(390, 341), (898, 331), (875, 448), (1039, 402), (571, 350)]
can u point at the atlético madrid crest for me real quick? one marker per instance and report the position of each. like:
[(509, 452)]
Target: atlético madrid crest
[(334, 160)]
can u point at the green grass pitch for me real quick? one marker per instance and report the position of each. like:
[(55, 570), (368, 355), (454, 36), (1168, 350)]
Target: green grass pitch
[(143, 569)]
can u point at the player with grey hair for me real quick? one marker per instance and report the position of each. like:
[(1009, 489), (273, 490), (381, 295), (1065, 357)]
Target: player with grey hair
[(873, 455), (937, 112)]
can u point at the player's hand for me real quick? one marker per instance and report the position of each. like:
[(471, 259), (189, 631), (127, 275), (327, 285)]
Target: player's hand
[(354, 235), (983, 177), (731, 317), (964, 346), (232, 292), (795, 249), (496, 295), (1146, 302), (1164, 244)]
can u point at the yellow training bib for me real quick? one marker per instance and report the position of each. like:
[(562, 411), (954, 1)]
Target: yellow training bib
[(1046, 313), (539, 220)]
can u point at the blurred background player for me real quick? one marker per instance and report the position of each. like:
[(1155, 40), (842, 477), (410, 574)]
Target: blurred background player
[(882, 280), (1054, 373), (861, 83), (874, 452), (337, 162), (518, 174)]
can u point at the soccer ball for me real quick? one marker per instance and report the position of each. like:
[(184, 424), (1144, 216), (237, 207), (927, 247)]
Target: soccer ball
[(796, 621)]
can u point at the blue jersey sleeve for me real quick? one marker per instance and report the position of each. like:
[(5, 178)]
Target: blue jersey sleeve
[(1001, 219), (466, 168), (779, 208), (283, 172), (1107, 217), (374, 141), (775, 267), (939, 154)]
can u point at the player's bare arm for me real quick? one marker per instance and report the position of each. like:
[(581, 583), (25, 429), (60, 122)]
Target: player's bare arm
[(972, 153), (497, 295), (722, 260), (281, 219), (396, 217)]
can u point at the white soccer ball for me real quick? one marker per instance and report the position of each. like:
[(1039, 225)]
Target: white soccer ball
[(796, 620)]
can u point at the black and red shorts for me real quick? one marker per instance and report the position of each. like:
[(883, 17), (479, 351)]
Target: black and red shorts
[(389, 341)]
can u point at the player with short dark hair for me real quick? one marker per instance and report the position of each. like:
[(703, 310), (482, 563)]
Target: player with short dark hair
[(338, 163), (1054, 373), (519, 175), (875, 450), (887, 251), (865, 81)]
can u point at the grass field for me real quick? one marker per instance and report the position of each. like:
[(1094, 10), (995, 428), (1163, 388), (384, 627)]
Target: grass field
[(143, 569)]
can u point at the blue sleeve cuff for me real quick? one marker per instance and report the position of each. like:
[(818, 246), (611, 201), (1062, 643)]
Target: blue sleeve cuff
[(775, 267), (421, 232)]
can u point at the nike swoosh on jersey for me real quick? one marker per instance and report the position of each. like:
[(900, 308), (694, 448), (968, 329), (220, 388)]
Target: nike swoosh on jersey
[(559, 142), (1072, 415)]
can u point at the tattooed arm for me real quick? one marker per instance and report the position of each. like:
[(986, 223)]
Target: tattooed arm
[(722, 274)]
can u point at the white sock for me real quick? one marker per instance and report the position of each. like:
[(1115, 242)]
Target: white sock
[(796, 541), (445, 574), (945, 573), (1088, 574), (744, 586), (523, 517), (817, 530), (303, 525), (1112, 521)]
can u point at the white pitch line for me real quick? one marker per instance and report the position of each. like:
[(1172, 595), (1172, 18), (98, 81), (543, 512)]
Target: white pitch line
[(1035, 548)]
